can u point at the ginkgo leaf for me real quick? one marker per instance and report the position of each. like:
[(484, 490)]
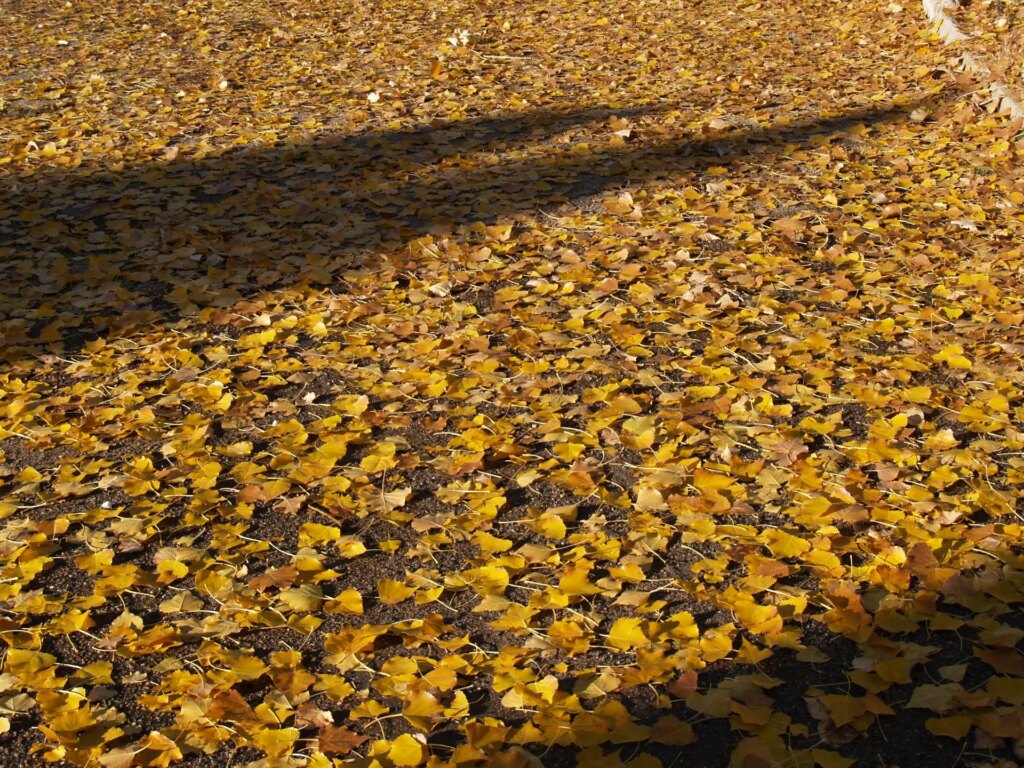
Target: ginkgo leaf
[(392, 592), (380, 459), (406, 750), (684, 685), (276, 741), (169, 571), (952, 355), (307, 597), (423, 710), (626, 634), (672, 731), (248, 668), (783, 544), (954, 727), (312, 534), (338, 740), (347, 601), (181, 602), (937, 698), (549, 526), (390, 500), (489, 580)]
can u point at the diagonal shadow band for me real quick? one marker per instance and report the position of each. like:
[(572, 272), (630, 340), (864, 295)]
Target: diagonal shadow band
[(97, 255)]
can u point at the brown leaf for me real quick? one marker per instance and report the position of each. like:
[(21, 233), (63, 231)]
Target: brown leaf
[(684, 685), (309, 715), (279, 578), (715, 125), (291, 505), (122, 757), (229, 705), (338, 740)]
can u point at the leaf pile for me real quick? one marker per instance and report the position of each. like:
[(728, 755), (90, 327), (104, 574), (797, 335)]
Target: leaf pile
[(451, 384), (996, 31)]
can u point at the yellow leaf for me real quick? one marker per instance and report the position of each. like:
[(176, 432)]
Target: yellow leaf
[(389, 500), (488, 580), (273, 488), (843, 710), (422, 710), (95, 562), (782, 544), (938, 698), (97, 673), (336, 687), (367, 708), (895, 670), (380, 459), (670, 730), (311, 534), (169, 571), (825, 427), (276, 742), (206, 476), (253, 340), (141, 477), (22, 662), (575, 581), (759, 619), (73, 721), (392, 592), (549, 526), (248, 668), (349, 547), (568, 452), (307, 597), (626, 634), (711, 481), (997, 402), (181, 602), (347, 601), (941, 478), (526, 477), (407, 750), (639, 432), (955, 727), (28, 475), (917, 394), (682, 626), (570, 636), (352, 405), (649, 500), (952, 355), (490, 544), (825, 758)]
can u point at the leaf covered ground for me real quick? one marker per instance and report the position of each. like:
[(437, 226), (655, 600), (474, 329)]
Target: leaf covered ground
[(474, 384), (995, 34)]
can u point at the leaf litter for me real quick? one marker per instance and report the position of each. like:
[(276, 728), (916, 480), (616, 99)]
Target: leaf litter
[(592, 384)]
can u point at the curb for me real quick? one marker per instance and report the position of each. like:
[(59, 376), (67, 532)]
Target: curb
[(1001, 95)]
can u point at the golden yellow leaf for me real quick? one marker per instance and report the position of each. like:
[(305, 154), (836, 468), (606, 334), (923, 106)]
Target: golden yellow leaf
[(392, 592), (380, 459), (406, 750), (626, 634)]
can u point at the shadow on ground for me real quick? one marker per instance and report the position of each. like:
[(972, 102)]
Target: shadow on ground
[(97, 255)]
